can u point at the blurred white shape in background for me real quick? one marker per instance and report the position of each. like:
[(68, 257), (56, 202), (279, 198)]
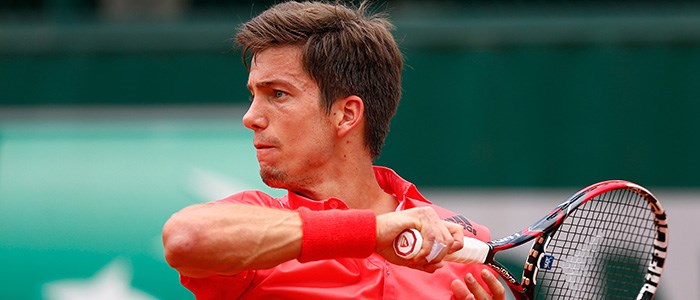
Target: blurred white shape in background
[(208, 185), (112, 282)]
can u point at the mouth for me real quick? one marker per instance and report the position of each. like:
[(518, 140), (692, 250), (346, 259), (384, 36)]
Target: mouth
[(265, 143), (264, 152), (262, 146)]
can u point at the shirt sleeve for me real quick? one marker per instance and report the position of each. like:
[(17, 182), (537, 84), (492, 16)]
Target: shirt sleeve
[(218, 287), (257, 198)]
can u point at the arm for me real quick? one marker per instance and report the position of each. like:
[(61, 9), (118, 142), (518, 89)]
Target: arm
[(225, 239)]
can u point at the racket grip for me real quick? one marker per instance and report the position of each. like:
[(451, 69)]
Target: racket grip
[(409, 242)]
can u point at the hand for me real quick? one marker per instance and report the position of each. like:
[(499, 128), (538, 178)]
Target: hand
[(470, 289), (432, 229)]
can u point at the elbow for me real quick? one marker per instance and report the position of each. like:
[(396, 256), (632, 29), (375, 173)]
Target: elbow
[(179, 240), (194, 244)]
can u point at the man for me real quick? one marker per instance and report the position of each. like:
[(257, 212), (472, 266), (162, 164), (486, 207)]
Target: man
[(325, 81)]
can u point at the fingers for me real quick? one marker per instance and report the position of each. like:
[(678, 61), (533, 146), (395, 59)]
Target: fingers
[(448, 239), (497, 289), (457, 232), (439, 237), (475, 288), (471, 289), (460, 291)]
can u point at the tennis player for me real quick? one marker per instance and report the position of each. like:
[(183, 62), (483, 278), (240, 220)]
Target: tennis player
[(325, 81)]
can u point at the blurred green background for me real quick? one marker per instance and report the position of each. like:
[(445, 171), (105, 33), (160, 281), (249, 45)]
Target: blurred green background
[(116, 113)]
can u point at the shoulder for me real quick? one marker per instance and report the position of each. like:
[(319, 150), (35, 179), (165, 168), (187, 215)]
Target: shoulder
[(471, 228), (252, 197)]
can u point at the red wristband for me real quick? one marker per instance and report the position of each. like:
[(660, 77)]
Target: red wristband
[(337, 233)]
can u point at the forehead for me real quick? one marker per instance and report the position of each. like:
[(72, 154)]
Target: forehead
[(276, 64)]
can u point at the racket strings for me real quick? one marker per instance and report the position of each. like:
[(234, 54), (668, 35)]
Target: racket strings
[(601, 250)]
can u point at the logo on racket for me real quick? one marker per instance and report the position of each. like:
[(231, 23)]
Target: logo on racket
[(547, 261)]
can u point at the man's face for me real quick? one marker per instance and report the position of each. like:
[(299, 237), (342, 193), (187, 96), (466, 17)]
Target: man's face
[(293, 134)]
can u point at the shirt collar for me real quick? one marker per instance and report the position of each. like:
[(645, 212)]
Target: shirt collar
[(405, 192)]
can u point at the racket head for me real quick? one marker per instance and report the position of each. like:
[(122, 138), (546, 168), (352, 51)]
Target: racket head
[(608, 241)]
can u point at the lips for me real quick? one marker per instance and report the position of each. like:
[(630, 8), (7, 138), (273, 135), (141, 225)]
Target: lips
[(263, 145), (263, 150)]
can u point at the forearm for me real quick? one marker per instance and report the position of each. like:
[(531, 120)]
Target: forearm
[(225, 239)]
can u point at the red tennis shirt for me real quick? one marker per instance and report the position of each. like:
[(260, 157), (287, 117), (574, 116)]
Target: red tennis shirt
[(342, 278)]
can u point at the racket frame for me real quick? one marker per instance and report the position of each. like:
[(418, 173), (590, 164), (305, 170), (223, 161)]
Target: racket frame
[(543, 229)]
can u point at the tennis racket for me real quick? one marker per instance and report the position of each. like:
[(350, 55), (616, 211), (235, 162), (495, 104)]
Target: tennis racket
[(608, 241)]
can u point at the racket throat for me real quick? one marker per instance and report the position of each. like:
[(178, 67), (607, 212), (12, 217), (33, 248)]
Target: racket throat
[(513, 284)]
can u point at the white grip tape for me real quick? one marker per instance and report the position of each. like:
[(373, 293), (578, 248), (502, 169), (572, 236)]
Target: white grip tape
[(409, 242), (473, 252), (435, 251)]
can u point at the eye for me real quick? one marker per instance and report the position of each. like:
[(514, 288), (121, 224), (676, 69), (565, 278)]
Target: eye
[(279, 94)]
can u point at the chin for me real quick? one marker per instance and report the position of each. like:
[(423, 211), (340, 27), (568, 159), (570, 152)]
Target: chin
[(272, 177)]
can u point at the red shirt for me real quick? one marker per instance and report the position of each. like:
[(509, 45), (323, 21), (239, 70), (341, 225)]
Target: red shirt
[(343, 278)]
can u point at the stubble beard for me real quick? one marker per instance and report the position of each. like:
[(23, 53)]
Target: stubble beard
[(273, 177), (281, 179)]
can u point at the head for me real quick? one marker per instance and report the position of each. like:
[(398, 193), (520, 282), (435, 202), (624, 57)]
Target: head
[(346, 51)]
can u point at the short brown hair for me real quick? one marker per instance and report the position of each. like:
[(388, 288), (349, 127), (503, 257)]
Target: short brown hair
[(347, 51)]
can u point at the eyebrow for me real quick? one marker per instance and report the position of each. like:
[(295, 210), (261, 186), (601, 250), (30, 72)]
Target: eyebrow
[(269, 83)]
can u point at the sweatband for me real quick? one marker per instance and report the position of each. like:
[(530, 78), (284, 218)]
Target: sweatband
[(337, 233)]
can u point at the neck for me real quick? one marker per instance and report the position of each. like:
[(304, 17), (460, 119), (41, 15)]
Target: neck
[(355, 184)]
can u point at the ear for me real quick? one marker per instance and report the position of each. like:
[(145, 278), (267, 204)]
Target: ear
[(348, 114)]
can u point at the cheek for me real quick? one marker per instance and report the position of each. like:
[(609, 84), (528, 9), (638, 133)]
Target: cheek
[(317, 138)]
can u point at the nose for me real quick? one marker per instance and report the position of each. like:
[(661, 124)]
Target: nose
[(254, 118)]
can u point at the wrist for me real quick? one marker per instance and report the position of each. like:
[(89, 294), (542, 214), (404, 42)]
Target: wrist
[(337, 233)]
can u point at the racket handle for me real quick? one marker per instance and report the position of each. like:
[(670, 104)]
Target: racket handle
[(408, 244)]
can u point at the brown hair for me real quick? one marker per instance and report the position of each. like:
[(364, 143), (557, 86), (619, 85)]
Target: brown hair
[(345, 50)]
